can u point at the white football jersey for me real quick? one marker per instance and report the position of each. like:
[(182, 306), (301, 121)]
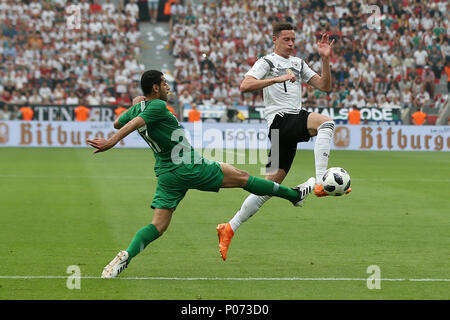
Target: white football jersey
[(286, 97)]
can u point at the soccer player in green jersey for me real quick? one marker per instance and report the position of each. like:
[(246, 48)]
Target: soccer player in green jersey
[(178, 166)]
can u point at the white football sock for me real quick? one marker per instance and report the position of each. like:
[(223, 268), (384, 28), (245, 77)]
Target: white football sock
[(248, 209), (322, 148)]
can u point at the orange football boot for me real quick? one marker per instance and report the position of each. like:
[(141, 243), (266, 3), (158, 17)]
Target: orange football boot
[(319, 192), (225, 234)]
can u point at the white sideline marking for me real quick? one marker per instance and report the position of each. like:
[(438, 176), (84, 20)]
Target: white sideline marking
[(227, 279)]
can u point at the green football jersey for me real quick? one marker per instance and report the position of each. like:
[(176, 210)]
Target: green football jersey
[(163, 134)]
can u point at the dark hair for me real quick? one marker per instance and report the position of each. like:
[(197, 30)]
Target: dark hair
[(280, 26), (148, 79)]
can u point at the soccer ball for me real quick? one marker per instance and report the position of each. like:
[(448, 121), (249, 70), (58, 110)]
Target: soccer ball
[(336, 181)]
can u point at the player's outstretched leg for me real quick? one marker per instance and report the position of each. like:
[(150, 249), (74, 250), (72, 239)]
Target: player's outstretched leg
[(322, 153), (262, 187), (142, 238), (226, 231), (116, 266), (322, 146), (225, 234), (304, 190), (323, 128)]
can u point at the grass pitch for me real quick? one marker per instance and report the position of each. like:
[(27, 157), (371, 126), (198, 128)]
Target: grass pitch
[(63, 207)]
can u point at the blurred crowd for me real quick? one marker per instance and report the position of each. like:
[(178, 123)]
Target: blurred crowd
[(53, 53), (392, 57), (69, 52)]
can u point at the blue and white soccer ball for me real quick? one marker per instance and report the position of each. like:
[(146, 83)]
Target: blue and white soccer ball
[(336, 181)]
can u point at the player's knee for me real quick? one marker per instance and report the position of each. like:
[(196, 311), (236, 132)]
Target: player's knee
[(326, 123), (161, 228), (243, 177)]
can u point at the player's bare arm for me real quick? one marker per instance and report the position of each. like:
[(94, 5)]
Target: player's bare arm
[(103, 144), (250, 84), (324, 48)]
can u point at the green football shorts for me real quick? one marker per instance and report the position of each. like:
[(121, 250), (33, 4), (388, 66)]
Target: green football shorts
[(173, 185)]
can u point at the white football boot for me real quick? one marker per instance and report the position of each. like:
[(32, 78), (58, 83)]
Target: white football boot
[(304, 190), (116, 266)]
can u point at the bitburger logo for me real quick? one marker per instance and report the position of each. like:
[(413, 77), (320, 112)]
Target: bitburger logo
[(342, 137), (4, 135)]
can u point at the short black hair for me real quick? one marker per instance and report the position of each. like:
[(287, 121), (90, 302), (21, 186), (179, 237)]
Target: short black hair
[(280, 26), (148, 79)]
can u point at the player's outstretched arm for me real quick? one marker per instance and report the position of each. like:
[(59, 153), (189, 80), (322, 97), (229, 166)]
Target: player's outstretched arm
[(103, 144), (250, 84)]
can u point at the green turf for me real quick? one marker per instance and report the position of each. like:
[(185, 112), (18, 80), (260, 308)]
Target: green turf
[(62, 207)]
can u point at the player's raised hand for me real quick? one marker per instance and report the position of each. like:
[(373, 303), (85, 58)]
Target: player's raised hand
[(138, 99), (100, 144), (324, 47)]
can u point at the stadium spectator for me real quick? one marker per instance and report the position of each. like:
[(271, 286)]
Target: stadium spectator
[(428, 78), (45, 91), (447, 71), (108, 98), (423, 97), (132, 8), (153, 10), (220, 92), (5, 114), (27, 113), (420, 56), (435, 58), (194, 114), (72, 98), (59, 95), (35, 98), (396, 103), (16, 114), (185, 98), (95, 7), (407, 98), (124, 99), (6, 96), (81, 113), (121, 83), (419, 117), (92, 98), (348, 101)]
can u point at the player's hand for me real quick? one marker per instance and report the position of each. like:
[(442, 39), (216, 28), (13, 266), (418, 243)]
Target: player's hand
[(324, 47), (285, 77), (138, 99), (100, 144)]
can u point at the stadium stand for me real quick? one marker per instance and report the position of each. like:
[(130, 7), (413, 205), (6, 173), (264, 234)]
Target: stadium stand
[(398, 59), (395, 60), (45, 61)]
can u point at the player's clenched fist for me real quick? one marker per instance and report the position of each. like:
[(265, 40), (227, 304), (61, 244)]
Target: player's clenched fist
[(285, 77)]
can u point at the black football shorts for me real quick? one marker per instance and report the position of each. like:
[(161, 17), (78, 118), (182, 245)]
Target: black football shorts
[(292, 129)]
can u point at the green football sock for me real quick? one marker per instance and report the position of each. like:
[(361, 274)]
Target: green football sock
[(263, 187), (141, 239)]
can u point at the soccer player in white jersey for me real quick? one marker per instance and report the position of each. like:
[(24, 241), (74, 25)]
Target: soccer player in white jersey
[(280, 75)]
